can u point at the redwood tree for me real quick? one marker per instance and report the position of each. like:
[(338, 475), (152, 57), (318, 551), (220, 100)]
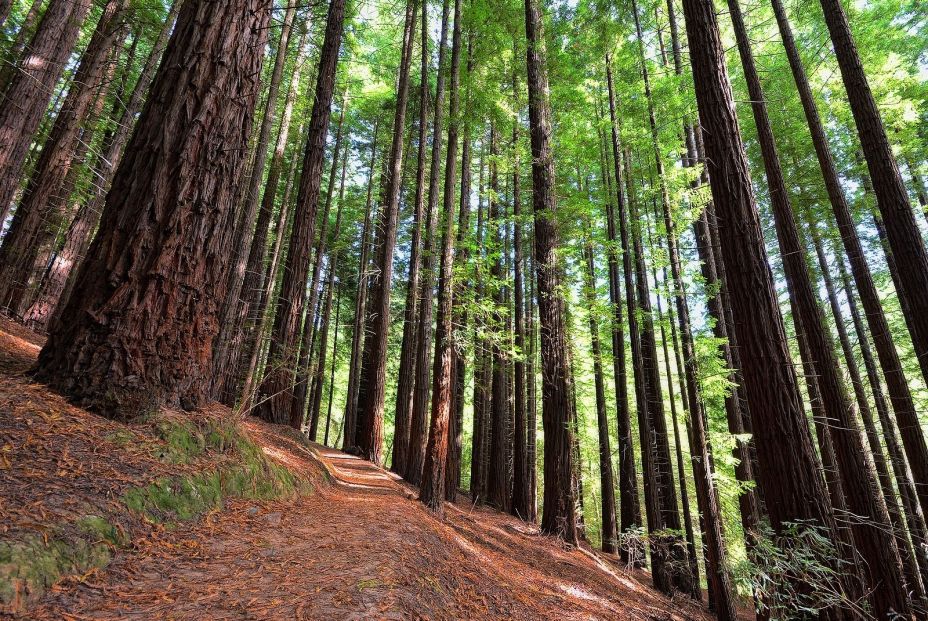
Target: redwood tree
[(559, 516), (145, 307), (793, 486), (436, 453), (285, 340), (374, 359)]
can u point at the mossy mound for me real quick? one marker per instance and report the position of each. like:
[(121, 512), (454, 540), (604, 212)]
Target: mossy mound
[(249, 474), (30, 565), (209, 460)]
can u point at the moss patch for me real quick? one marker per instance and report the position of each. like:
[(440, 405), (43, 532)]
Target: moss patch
[(30, 565), (249, 474)]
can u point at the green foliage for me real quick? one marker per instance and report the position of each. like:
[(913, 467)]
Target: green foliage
[(796, 574)]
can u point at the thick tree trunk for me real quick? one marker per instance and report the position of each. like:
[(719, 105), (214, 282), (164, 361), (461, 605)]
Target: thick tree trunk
[(374, 360), (30, 88), (406, 381), (278, 383), (747, 501), (436, 454), (899, 393), (793, 488), (558, 415), (870, 525), (58, 280), (160, 250), (902, 233), (630, 505), (418, 431)]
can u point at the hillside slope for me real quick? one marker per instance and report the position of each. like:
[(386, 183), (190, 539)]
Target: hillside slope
[(175, 518)]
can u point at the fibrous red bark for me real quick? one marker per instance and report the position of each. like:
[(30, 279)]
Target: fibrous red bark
[(144, 312)]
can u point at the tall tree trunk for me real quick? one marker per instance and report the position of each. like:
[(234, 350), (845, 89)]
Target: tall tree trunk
[(418, 431), (460, 318), (531, 390), (630, 506), (498, 483), (31, 86), (482, 364), (250, 368), (899, 393), (349, 419), (520, 483), (58, 280), (734, 402), (793, 488), (160, 249), (906, 555), (870, 526), (914, 516), (278, 382), (436, 454), (668, 556), (902, 233), (315, 401), (606, 479), (374, 360), (236, 380), (251, 236), (558, 414), (406, 381), (305, 370)]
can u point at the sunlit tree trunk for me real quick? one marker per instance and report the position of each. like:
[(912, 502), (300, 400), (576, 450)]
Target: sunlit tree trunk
[(436, 454), (372, 378), (30, 88), (902, 233), (793, 488), (899, 392)]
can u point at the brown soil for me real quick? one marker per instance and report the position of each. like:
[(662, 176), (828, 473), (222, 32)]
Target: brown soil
[(361, 547)]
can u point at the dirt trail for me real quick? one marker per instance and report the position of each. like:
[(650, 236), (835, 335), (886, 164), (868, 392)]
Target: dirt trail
[(361, 547)]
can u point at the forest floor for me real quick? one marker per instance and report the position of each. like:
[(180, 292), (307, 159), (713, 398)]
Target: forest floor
[(101, 520)]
